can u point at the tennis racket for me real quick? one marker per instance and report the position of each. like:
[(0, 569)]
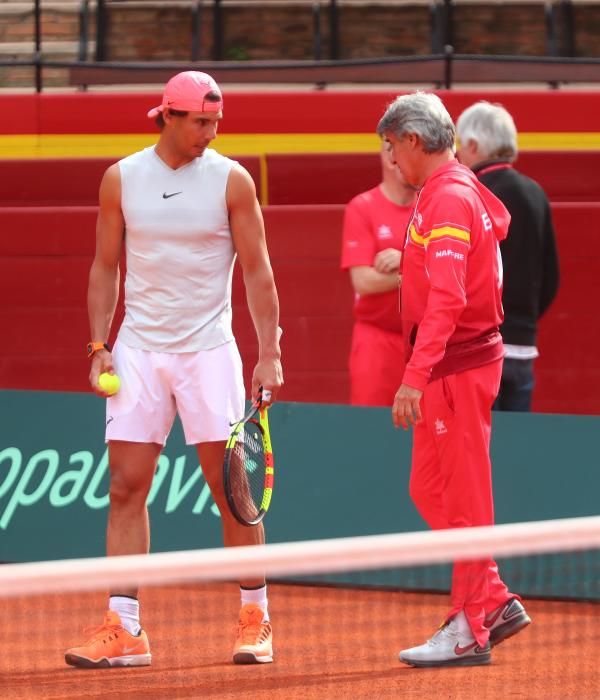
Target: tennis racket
[(248, 464)]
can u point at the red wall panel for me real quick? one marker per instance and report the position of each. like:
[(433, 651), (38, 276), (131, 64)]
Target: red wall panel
[(52, 181), (568, 369), (292, 179), (47, 231), (285, 112), (320, 178), (70, 181), (43, 280), (566, 176), (314, 178)]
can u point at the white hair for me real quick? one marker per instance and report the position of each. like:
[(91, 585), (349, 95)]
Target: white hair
[(491, 127), (423, 114)]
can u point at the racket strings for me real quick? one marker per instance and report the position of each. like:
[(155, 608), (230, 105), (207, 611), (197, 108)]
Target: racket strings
[(247, 471), (252, 439)]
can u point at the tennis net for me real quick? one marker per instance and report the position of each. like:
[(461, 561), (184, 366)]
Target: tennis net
[(341, 610)]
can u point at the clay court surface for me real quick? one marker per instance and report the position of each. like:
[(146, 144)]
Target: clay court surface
[(329, 643)]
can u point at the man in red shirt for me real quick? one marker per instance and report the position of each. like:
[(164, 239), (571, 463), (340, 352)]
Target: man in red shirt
[(374, 229), (451, 311)]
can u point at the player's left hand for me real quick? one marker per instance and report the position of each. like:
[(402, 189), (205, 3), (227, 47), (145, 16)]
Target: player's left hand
[(406, 411)]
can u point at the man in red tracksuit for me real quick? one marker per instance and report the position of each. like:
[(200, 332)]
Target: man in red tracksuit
[(451, 311)]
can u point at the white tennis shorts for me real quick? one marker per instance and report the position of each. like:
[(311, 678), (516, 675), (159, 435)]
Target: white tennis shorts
[(206, 389)]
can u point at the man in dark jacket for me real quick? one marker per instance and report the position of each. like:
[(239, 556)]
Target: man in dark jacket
[(488, 145)]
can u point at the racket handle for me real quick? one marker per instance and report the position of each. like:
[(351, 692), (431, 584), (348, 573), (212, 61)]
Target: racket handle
[(263, 395)]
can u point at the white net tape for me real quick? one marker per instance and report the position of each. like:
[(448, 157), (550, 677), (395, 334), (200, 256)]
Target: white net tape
[(299, 558)]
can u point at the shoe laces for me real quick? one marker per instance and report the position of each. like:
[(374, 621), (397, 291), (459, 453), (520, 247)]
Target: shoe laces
[(253, 634), (109, 627), (446, 629), (251, 628)]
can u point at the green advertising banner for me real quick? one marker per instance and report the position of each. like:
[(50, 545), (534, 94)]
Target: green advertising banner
[(340, 471), (54, 479)]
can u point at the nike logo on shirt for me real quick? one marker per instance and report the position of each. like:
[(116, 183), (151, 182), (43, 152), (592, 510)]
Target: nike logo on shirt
[(166, 196)]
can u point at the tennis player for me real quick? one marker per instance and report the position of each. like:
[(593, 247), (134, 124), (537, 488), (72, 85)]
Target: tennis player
[(183, 213), (451, 312)]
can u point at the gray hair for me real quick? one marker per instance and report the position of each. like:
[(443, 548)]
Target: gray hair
[(422, 114), (491, 127)]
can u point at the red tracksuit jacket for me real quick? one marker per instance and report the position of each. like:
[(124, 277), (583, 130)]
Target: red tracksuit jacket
[(452, 277)]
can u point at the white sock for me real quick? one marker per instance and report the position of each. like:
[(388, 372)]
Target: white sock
[(128, 610), (463, 628), (258, 596)]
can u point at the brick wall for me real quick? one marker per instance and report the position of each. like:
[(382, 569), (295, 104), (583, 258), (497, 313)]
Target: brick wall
[(384, 31), (272, 32), (587, 30), (160, 34), (500, 29), (287, 32), (56, 24)]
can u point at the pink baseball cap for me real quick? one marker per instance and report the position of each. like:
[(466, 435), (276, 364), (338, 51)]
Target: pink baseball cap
[(186, 92)]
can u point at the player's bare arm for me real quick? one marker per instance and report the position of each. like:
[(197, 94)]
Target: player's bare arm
[(387, 260), (248, 231), (367, 280), (103, 289)]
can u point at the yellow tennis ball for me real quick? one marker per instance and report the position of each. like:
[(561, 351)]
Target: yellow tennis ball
[(110, 383)]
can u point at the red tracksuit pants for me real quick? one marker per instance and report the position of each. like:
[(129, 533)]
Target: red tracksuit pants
[(451, 479), (376, 365)]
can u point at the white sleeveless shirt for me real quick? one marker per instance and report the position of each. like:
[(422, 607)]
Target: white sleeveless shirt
[(180, 254)]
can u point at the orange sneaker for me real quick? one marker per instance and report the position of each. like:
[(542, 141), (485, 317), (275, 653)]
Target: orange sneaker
[(254, 643), (110, 645)]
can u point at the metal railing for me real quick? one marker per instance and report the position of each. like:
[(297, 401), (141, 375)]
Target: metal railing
[(218, 27), (442, 68), (559, 19)]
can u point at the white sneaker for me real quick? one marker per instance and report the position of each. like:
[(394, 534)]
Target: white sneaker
[(447, 648), (506, 620)]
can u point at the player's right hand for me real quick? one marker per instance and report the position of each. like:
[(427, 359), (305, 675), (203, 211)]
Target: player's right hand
[(406, 411)]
